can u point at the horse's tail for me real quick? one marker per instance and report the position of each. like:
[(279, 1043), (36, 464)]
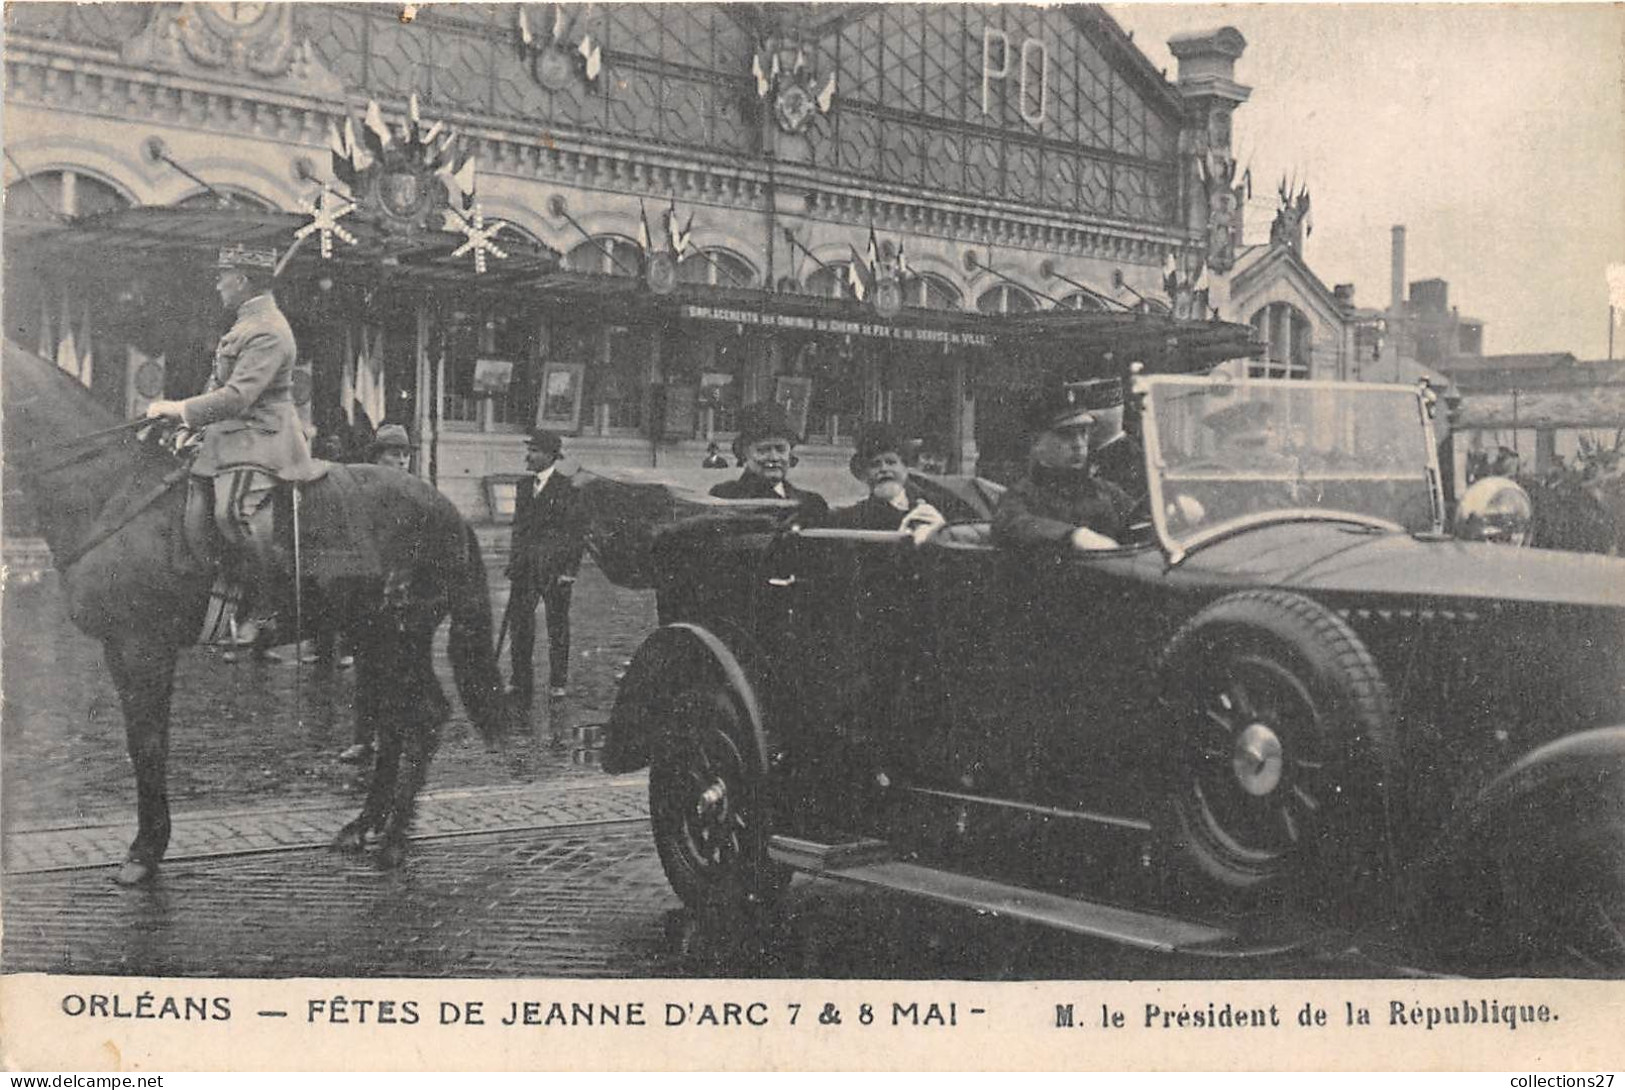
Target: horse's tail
[(473, 659)]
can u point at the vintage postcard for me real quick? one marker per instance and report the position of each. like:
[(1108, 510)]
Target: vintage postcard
[(813, 536)]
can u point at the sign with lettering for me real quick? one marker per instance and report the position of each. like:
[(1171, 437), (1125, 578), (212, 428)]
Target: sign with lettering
[(849, 327)]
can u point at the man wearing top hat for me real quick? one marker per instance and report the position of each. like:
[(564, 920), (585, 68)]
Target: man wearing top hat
[(893, 502), (549, 535), (391, 447), (1060, 504), (252, 434), (763, 446)]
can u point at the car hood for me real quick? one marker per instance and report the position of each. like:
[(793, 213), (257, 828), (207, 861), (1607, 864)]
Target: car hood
[(1333, 557)]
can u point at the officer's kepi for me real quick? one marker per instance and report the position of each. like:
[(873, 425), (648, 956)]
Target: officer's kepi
[(245, 257)]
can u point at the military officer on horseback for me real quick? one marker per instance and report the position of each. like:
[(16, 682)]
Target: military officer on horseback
[(252, 435)]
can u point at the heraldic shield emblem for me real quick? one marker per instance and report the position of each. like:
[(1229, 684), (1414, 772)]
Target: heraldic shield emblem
[(404, 194), (793, 107)]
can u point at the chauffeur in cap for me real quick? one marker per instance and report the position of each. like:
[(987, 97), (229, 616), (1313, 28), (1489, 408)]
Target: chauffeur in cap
[(1114, 454), (252, 434), (549, 535), (1060, 504), (763, 446), (1246, 436), (893, 503)]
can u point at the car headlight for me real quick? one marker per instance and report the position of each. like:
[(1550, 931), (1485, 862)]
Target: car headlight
[(1498, 510)]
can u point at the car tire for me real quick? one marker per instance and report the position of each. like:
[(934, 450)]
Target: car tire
[(707, 808), (1540, 892), (1282, 752)]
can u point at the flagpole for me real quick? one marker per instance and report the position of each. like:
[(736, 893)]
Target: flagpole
[(1612, 318)]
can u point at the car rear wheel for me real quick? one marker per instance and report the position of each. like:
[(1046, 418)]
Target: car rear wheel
[(1282, 753), (706, 806)]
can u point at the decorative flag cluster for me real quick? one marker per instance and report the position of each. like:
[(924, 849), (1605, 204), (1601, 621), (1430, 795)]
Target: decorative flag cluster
[(796, 93), (413, 149), (865, 270), (680, 238), (591, 54)]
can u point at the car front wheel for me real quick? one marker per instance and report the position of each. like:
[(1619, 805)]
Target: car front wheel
[(1282, 753), (706, 806)]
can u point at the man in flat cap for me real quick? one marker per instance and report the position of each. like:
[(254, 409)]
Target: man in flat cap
[(892, 503), (549, 535), (763, 446), (252, 434), (392, 447), (1060, 504)]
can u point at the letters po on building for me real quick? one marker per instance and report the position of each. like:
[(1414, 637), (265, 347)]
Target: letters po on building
[(1031, 65)]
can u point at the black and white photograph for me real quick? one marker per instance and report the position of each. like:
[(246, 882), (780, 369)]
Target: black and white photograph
[(810, 495)]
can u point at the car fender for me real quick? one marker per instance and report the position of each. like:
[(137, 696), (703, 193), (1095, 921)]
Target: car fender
[(675, 653), (1576, 779)]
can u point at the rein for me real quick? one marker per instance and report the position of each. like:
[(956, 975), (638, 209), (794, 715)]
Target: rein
[(79, 455)]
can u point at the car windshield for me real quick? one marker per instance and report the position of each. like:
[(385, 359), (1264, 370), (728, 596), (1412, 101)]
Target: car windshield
[(1223, 450)]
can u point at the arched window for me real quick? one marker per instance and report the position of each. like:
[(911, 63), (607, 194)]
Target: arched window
[(930, 292), (1288, 342), (53, 193), (830, 282), (717, 268), (605, 255), (1006, 299), (239, 198), (1081, 300)]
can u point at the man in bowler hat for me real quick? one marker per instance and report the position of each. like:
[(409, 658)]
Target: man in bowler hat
[(1060, 504), (391, 447), (764, 446), (549, 534)]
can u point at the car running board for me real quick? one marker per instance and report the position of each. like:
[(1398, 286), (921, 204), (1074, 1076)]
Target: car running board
[(873, 863)]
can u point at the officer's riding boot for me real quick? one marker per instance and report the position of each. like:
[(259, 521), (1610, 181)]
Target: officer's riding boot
[(264, 570)]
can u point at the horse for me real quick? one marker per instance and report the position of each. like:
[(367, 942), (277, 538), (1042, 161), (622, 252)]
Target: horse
[(111, 505)]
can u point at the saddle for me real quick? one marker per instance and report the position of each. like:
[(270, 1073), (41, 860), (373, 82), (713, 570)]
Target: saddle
[(333, 541)]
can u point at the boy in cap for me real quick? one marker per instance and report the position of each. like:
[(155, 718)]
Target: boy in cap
[(252, 434), (892, 503), (1060, 504), (763, 446), (549, 535)]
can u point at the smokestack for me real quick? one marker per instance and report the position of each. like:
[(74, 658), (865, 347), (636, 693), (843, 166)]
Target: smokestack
[(1396, 293)]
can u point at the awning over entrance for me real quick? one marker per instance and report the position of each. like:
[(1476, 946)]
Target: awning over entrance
[(1025, 345)]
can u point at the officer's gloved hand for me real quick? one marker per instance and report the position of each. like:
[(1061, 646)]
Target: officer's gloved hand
[(1087, 540), (165, 410)]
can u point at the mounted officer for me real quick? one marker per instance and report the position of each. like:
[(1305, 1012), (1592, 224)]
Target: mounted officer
[(252, 435)]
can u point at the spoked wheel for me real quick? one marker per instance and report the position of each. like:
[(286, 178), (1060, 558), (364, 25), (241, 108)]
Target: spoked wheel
[(706, 807), (1282, 749)]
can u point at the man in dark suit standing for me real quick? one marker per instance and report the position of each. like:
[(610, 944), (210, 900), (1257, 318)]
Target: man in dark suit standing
[(549, 534), (763, 446)]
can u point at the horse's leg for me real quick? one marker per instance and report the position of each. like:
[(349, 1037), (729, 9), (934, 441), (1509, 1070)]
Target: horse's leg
[(375, 708), (144, 674), (418, 733)]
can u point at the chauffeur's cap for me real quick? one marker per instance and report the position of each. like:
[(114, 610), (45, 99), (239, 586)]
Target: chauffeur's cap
[(392, 436), (245, 257)]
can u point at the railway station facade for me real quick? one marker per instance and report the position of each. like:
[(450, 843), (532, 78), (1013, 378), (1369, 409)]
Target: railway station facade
[(836, 206)]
